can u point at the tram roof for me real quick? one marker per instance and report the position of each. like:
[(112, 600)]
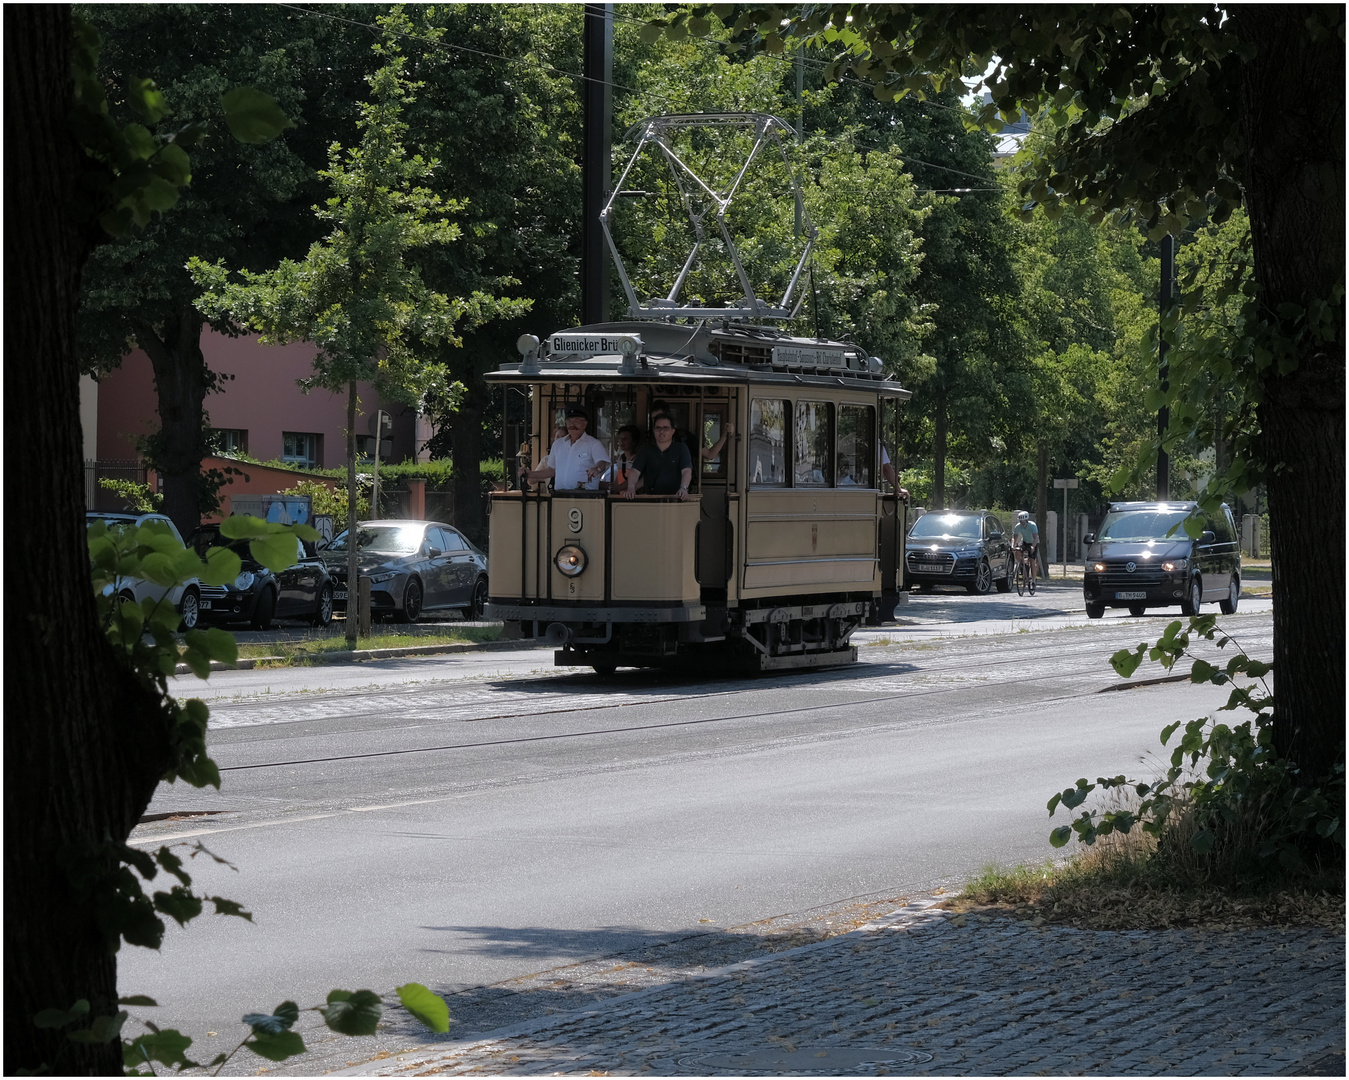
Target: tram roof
[(725, 352)]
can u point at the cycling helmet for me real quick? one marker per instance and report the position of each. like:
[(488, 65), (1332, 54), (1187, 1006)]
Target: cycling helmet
[(1023, 516)]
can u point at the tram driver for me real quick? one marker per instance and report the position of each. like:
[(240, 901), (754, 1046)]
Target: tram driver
[(666, 466), (575, 462)]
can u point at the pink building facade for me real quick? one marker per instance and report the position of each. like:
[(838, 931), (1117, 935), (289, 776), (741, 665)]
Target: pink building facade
[(260, 409)]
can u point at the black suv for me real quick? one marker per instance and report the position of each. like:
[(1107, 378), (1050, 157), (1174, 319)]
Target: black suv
[(958, 547), (1144, 557)]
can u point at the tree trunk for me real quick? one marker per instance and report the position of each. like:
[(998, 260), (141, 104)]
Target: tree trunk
[(1295, 196), (182, 381), (85, 743), (1042, 501), (469, 516), (939, 451)]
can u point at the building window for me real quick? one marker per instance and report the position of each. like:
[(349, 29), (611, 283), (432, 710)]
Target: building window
[(229, 440), (302, 448), (365, 447)]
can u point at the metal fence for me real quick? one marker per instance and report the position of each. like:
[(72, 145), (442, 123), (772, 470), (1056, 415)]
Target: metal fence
[(97, 497)]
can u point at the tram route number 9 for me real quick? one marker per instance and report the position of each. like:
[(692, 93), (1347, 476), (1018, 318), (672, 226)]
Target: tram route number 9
[(574, 519)]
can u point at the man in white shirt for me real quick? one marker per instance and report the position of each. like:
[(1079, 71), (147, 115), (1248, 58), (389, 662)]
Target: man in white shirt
[(574, 463)]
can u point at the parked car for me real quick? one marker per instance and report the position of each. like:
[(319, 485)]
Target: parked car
[(413, 566), (959, 547), (1142, 557), (258, 596), (186, 598)]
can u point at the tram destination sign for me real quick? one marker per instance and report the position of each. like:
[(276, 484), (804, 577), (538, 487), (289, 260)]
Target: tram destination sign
[(799, 356), (581, 346)]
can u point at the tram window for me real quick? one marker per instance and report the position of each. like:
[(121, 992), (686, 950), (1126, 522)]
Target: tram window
[(813, 444), (856, 446), (767, 442), (713, 423)]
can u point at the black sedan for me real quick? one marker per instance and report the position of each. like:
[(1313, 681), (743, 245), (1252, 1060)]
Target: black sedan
[(959, 547), (258, 596), (413, 566)]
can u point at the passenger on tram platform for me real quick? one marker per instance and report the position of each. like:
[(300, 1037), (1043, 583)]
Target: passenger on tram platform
[(576, 461), (888, 471), (666, 466), (615, 477), (711, 453)]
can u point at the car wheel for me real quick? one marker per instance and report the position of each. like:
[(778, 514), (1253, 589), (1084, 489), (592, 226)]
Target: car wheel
[(983, 578), (474, 610), (1095, 611), (265, 609), (1005, 582), (323, 614), (189, 607), (412, 603), (1229, 606), (1137, 610), (1189, 607)]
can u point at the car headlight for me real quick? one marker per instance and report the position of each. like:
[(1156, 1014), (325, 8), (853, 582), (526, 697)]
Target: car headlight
[(1176, 564), (1098, 567), (379, 579), (571, 560), (244, 581)]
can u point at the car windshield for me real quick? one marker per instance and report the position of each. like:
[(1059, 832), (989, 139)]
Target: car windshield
[(946, 527), (1144, 525), (382, 539)]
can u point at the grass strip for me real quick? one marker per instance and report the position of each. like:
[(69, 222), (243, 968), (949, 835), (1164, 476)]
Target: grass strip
[(306, 648)]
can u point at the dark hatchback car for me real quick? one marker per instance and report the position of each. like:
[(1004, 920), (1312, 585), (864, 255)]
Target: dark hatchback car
[(413, 566), (1144, 557), (258, 596), (958, 547)]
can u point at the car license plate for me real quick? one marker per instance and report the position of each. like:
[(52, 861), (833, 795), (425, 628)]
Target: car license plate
[(1131, 596), (339, 594), (204, 605)]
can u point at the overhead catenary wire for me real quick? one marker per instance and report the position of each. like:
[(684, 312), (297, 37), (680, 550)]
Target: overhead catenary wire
[(643, 94)]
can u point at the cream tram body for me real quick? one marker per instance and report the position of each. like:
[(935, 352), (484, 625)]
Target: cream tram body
[(786, 544)]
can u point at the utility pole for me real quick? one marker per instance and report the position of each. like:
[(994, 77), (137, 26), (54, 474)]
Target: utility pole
[(597, 115), (1163, 368)]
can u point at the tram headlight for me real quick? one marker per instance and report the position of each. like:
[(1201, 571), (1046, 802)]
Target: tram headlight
[(570, 560)]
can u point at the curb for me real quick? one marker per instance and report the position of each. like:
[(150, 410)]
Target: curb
[(323, 659), (912, 913)]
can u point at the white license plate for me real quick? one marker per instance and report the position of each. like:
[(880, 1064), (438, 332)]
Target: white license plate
[(204, 605), (1131, 596), (339, 594)]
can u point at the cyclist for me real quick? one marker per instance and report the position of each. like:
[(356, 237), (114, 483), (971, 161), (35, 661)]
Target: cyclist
[(1026, 542)]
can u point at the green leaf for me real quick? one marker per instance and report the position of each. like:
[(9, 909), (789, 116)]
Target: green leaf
[(1125, 662), (352, 1013), (178, 904), (1060, 836), (276, 1047), (254, 117), (229, 907), (276, 552), (165, 1046), (427, 1007), (1202, 841), (222, 566), (280, 1019), (55, 1018), (104, 1029), (137, 999)]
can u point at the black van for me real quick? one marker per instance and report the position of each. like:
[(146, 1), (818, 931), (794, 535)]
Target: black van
[(1143, 557)]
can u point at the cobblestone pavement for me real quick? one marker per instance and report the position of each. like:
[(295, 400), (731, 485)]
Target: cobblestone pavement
[(925, 993)]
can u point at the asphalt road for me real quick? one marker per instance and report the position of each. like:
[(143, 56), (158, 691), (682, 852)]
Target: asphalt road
[(468, 820)]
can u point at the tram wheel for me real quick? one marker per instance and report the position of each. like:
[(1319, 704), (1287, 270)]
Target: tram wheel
[(605, 667)]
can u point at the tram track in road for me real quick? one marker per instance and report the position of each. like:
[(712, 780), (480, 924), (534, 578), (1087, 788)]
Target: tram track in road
[(1056, 669)]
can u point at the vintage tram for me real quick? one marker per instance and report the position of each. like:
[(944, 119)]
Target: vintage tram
[(788, 540)]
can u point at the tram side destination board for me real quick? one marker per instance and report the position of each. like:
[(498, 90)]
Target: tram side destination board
[(796, 356), (582, 346)]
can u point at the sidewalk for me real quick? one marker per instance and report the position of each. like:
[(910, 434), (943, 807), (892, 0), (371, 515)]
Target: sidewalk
[(925, 993)]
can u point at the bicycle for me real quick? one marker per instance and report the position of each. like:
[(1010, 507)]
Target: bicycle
[(1025, 576)]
